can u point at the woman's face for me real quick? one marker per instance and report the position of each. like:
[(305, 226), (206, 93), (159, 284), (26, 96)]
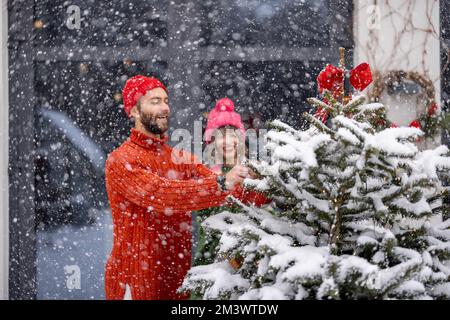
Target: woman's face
[(227, 142)]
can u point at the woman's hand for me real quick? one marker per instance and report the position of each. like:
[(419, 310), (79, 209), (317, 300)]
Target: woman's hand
[(236, 176), (252, 174)]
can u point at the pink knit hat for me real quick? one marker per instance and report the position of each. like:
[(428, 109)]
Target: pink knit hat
[(223, 115)]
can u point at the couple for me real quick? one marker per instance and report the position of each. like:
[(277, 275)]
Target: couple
[(152, 197)]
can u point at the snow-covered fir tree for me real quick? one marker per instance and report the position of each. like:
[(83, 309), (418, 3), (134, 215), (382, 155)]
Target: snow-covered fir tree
[(357, 213)]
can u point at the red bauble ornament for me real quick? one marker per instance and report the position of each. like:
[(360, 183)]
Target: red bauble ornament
[(321, 114), (432, 109), (393, 125), (415, 124)]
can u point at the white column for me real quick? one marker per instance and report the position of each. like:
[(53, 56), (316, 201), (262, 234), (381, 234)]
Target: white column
[(399, 35), (4, 230)]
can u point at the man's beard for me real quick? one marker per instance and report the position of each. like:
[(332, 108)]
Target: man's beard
[(150, 124)]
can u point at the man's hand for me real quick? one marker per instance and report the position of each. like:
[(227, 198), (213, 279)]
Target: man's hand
[(235, 176)]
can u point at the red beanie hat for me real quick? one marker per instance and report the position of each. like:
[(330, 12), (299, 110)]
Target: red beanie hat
[(223, 115), (135, 88)]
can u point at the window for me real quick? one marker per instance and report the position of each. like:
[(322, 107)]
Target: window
[(126, 23), (266, 55), (266, 89), (78, 121), (273, 23)]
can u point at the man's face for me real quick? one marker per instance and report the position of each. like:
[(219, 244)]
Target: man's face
[(153, 111)]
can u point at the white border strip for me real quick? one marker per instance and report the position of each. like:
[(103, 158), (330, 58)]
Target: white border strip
[(4, 154)]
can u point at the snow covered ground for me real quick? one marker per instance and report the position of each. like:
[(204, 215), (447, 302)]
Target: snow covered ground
[(71, 260)]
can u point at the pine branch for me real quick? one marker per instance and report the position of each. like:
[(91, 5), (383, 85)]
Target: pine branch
[(320, 104), (280, 126), (336, 228), (318, 124), (353, 105)]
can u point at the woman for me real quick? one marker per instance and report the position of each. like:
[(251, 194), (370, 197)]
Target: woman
[(225, 135)]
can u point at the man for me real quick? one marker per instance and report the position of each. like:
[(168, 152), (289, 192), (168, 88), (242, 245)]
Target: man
[(151, 198)]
